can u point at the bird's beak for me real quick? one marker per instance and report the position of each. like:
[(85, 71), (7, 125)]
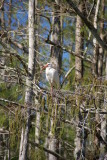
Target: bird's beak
[(44, 66)]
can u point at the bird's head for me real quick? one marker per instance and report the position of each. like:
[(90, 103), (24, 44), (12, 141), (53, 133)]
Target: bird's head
[(47, 65)]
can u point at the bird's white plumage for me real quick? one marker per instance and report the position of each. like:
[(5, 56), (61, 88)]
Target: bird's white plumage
[(52, 75)]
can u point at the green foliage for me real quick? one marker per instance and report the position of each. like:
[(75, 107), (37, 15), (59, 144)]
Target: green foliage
[(37, 154), (88, 95), (3, 119), (10, 91), (15, 125)]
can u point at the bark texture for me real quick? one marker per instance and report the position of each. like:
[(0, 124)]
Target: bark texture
[(79, 46), (29, 84), (101, 50), (56, 34), (53, 142), (37, 127), (56, 53), (95, 43), (2, 59), (103, 147), (79, 152)]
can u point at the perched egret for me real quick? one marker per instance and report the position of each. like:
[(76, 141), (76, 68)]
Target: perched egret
[(52, 76)]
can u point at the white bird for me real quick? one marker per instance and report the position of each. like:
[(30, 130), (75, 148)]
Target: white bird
[(52, 76)]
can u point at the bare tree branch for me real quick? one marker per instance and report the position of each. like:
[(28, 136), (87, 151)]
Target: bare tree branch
[(1, 7), (91, 9), (7, 49), (4, 34), (67, 74), (67, 50), (47, 150), (88, 24)]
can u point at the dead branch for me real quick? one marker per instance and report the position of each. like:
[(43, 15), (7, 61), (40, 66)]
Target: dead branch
[(47, 150), (2, 3), (88, 24), (14, 53), (67, 74)]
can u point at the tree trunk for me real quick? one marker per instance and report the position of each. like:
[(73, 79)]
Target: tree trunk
[(106, 67), (57, 53), (101, 50), (95, 43), (79, 47), (79, 152), (56, 34), (95, 73), (37, 128), (88, 23), (100, 69), (29, 84), (2, 59), (52, 138)]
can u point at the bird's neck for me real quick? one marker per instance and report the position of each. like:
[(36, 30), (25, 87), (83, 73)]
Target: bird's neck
[(48, 68)]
